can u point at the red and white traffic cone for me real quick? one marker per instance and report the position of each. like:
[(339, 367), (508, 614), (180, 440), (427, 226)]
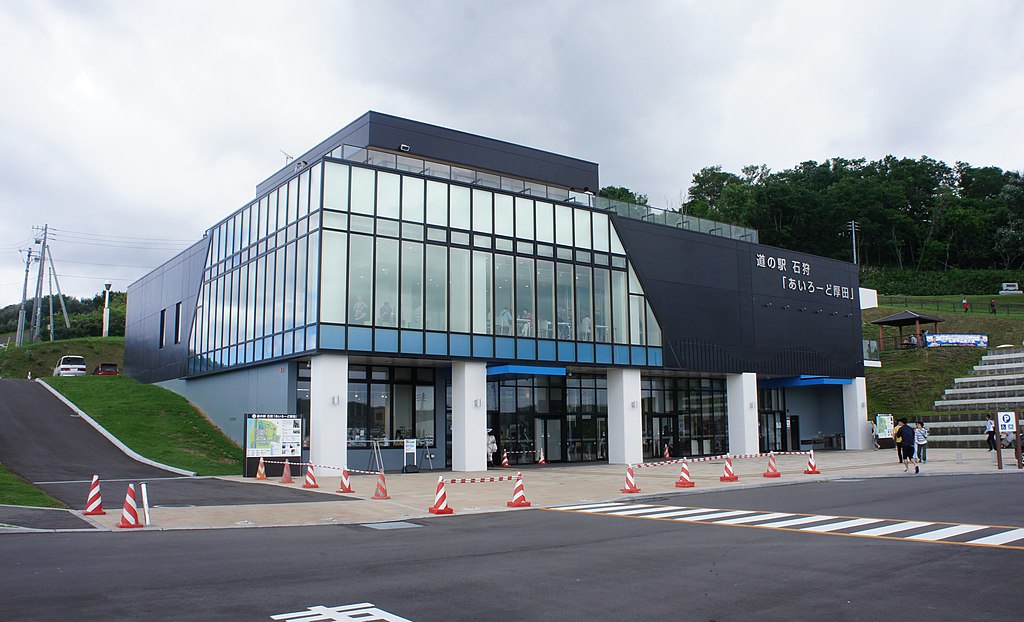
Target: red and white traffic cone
[(286, 475), (542, 460), (440, 500), (94, 503), (665, 454), (812, 468), (630, 481), (504, 457), (345, 486), (261, 470), (772, 471), (130, 513), (310, 478), (684, 477), (518, 494), (382, 488), (729, 475)]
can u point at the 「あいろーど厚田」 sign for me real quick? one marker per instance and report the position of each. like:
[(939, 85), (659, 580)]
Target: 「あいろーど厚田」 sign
[(953, 339)]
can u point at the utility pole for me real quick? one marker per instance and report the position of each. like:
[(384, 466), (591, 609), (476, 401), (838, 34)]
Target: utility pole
[(37, 309), (60, 294), (20, 338), (854, 225), (50, 299)]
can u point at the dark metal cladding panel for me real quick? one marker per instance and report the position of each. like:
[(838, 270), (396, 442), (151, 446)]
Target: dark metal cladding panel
[(176, 281), (433, 142), (478, 152), (729, 306)]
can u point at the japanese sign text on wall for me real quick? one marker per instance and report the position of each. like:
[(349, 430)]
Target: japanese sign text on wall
[(795, 276)]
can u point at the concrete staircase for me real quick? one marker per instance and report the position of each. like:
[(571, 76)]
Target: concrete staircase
[(996, 383)]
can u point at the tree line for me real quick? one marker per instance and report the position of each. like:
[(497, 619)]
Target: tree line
[(921, 215), (86, 315)]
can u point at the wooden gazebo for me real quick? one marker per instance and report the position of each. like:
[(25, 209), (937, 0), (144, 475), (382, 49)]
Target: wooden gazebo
[(906, 318)]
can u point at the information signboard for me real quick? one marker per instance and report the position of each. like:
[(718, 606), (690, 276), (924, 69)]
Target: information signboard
[(271, 436)]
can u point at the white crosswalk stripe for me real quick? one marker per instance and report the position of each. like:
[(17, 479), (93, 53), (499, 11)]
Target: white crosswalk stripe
[(1001, 538), (948, 532), (811, 523)]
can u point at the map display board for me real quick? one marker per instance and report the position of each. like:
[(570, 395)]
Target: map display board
[(271, 436)]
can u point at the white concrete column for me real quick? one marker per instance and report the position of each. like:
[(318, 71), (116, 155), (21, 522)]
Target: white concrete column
[(328, 411), (741, 409), (469, 416), (855, 414), (625, 425)]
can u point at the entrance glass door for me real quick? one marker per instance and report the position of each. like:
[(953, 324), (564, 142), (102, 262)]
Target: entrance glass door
[(662, 432), (549, 435), (587, 438)]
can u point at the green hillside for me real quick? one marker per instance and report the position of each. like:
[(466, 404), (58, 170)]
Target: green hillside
[(41, 357), (909, 381)]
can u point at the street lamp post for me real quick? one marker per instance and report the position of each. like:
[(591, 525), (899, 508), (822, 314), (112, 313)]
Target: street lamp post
[(106, 309)]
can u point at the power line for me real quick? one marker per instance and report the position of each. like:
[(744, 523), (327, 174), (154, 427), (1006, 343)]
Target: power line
[(119, 237), (82, 276), (156, 246), (111, 265)]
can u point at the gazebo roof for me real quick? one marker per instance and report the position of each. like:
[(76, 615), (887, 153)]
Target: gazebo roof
[(906, 318)]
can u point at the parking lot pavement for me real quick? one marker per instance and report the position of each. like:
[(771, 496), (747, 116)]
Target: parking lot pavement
[(546, 486)]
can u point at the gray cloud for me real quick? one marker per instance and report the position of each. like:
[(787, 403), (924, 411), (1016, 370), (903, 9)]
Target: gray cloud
[(155, 120)]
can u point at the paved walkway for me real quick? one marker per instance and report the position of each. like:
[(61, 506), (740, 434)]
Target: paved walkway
[(551, 485)]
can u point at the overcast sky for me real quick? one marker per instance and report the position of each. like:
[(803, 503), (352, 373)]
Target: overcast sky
[(131, 127)]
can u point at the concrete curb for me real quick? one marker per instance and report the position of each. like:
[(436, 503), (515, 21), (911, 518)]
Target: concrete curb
[(110, 437)]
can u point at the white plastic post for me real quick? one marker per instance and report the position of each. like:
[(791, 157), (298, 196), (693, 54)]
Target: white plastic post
[(145, 501)]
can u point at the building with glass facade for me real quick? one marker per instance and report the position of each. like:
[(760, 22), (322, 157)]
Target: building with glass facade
[(402, 280)]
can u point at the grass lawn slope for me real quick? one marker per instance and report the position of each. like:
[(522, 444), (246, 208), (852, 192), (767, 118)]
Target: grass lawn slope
[(157, 423), (16, 491), (40, 358), (909, 381)]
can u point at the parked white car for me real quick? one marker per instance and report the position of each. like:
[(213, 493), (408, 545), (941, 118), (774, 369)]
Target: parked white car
[(70, 366)]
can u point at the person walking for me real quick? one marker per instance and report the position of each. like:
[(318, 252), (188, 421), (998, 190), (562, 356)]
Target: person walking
[(921, 442), (905, 438), (896, 441), (492, 446), (992, 306), (874, 435), (990, 432), (967, 305)]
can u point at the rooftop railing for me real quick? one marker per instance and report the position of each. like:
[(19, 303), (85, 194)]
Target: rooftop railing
[(645, 213)]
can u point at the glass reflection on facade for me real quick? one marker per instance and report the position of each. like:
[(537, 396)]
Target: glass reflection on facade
[(688, 415)]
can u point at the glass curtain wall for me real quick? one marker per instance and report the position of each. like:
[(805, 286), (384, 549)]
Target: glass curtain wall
[(686, 414)]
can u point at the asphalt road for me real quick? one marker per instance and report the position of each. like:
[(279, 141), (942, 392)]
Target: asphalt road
[(547, 565), (48, 444)]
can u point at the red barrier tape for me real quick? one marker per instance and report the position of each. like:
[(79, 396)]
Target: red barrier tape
[(647, 465)]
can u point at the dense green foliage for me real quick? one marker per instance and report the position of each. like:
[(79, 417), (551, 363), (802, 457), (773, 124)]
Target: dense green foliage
[(156, 423), (620, 193), (913, 214), (953, 282), (86, 315)]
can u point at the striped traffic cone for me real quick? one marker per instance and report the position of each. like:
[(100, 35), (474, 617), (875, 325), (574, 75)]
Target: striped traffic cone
[(812, 468), (542, 460), (130, 513), (261, 470), (684, 477), (382, 488), (345, 486), (518, 494), (630, 481), (504, 457), (310, 478), (772, 471), (440, 500), (665, 454), (94, 503), (286, 475), (729, 475)]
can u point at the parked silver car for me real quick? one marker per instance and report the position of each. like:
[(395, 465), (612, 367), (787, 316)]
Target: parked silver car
[(70, 366)]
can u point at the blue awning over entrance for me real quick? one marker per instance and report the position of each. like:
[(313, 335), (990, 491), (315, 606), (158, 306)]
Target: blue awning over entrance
[(525, 370), (801, 381)]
